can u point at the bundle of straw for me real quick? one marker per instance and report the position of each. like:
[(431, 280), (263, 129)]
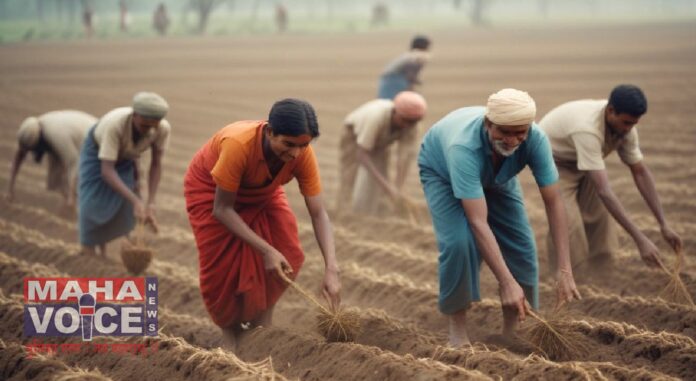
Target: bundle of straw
[(336, 326), (676, 291), (556, 338), (136, 255)]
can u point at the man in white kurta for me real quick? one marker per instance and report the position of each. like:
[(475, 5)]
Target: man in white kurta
[(115, 136), (59, 134), (582, 133), (368, 133), (108, 191)]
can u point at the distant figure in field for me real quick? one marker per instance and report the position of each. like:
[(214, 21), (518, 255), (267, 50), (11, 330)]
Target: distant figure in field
[(109, 191), (124, 20), (60, 135), (380, 14), (281, 17), (469, 162), (160, 19), (368, 133), (88, 20), (245, 230), (582, 134), (402, 73)]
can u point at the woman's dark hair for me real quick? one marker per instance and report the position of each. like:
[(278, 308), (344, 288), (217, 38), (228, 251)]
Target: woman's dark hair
[(420, 42), (628, 99), (293, 117)]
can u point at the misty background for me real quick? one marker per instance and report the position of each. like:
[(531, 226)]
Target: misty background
[(27, 20)]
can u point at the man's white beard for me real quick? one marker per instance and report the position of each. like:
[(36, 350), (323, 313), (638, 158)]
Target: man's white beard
[(499, 147)]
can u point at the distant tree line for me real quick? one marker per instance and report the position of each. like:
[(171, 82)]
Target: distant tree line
[(475, 12)]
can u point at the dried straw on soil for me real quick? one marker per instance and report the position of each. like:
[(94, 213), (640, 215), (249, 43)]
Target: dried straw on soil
[(476, 356), (218, 358), (79, 374), (136, 256), (336, 326), (556, 337), (675, 291), (15, 363), (341, 326)]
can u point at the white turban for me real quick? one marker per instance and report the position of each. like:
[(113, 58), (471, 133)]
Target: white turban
[(510, 107), (150, 105), (29, 132)]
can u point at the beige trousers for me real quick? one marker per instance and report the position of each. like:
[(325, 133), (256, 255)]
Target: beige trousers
[(359, 190), (592, 231)]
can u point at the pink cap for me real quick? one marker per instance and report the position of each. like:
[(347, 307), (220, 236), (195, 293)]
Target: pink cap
[(410, 105)]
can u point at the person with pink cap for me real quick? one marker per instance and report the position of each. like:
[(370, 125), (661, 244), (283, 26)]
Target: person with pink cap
[(368, 133)]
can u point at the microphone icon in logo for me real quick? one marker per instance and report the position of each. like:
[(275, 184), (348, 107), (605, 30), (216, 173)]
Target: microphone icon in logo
[(86, 304)]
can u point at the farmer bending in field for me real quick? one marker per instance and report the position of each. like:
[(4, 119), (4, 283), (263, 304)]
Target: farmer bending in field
[(582, 133), (401, 74), (245, 229), (58, 134), (368, 133), (109, 196), (469, 163)]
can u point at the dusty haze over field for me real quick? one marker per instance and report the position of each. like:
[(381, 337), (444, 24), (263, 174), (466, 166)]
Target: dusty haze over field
[(389, 267)]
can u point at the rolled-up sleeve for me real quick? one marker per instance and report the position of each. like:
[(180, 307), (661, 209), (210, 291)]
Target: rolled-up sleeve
[(307, 173), (541, 163), (629, 150), (465, 173)]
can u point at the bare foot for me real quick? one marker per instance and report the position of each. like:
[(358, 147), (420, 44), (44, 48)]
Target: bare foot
[(457, 341), (231, 335), (458, 336), (264, 320)]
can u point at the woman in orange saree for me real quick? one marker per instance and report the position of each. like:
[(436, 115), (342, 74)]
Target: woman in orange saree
[(244, 228)]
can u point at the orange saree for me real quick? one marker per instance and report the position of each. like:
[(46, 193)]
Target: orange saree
[(234, 284)]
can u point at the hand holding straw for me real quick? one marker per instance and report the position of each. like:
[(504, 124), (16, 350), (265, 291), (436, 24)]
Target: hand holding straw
[(303, 292), (675, 291), (566, 290), (338, 325), (138, 235), (556, 337), (151, 222)]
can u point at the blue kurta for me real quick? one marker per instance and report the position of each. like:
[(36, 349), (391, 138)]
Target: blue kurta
[(392, 84), (103, 214), (456, 163)]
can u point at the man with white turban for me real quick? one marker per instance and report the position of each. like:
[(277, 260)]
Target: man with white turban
[(58, 134), (368, 133), (469, 162), (582, 133), (109, 196)]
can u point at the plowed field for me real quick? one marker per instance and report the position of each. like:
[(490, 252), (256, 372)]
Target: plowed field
[(389, 266)]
